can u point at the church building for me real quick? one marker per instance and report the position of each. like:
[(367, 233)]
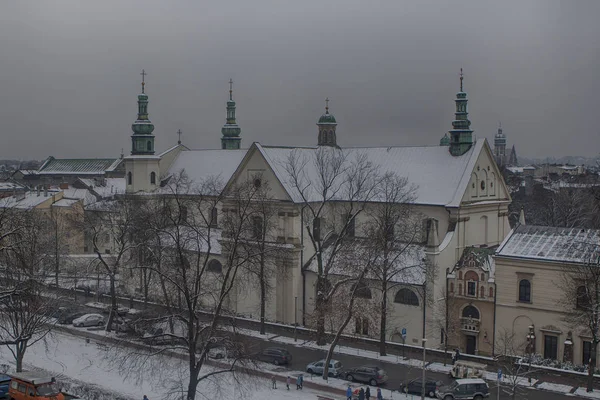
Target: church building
[(460, 194)]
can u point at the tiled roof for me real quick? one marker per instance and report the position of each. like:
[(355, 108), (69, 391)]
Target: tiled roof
[(92, 166), (551, 244)]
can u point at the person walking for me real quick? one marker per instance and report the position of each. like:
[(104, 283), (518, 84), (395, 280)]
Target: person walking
[(349, 393), (379, 395), (273, 382), (145, 397), (301, 381), (368, 393), (298, 382), (361, 394), (287, 382)]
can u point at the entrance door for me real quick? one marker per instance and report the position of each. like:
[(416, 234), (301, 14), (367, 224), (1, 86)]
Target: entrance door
[(471, 344)]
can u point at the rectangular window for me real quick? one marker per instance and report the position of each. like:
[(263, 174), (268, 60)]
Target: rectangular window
[(257, 227), (550, 347), (214, 216), (350, 225), (471, 288), (361, 326), (586, 352), (317, 229)]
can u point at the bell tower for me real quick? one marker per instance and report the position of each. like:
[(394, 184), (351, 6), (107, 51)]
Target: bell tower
[(327, 125), (500, 147), (142, 139), (461, 135), (230, 139)]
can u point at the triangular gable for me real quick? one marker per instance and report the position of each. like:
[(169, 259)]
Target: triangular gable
[(256, 161), (481, 168), (168, 156)]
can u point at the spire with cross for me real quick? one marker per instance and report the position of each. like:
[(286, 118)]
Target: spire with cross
[(179, 135), (230, 132), (327, 126), (143, 74), (461, 135)]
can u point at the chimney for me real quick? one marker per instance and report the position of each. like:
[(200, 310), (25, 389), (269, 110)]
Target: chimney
[(45, 191), (64, 185), (522, 217), (38, 190)]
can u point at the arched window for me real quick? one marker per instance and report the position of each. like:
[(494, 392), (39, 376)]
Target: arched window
[(525, 291), (491, 292), (214, 266), (257, 227), (214, 215), (460, 289), (153, 178), (583, 298), (129, 178), (482, 292), (362, 291), (451, 287), (484, 228), (470, 312), (149, 146), (482, 277), (460, 275), (406, 296), (183, 213)]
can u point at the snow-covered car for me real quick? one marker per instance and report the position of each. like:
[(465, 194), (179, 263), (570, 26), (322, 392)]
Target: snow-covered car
[(89, 320), (218, 352)]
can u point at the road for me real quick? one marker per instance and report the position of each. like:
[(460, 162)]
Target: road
[(397, 373)]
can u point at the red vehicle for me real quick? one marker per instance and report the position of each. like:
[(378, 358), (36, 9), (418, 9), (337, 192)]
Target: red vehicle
[(27, 385)]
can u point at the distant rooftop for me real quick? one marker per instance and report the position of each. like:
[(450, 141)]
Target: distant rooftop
[(78, 166)]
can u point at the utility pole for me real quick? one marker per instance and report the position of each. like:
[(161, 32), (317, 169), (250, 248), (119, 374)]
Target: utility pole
[(295, 318), (423, 378)]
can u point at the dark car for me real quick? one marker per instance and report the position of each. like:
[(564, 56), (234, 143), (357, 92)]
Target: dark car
[(4, 383), (416, 385), (464, 389), (275, 355), (370, 374), (60, 312), (67, 319)]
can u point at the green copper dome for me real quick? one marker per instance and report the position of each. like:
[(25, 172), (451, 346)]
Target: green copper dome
[(327, 119), (445, 140)]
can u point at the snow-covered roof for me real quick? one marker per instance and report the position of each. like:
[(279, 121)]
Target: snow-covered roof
[(10, 186), (64, 203), (25, 200), (81, 166), (439, 177), (79, 194), (552, 244), (202, 164)]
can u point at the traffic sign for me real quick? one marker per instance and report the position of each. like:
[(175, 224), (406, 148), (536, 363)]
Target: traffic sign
[(404, 333), (500, 374)]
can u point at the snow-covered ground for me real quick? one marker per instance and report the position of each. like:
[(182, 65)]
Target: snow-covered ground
[(95, 364)]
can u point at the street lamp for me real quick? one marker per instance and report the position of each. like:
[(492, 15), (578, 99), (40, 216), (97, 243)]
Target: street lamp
[(423, 380), (530, 348)]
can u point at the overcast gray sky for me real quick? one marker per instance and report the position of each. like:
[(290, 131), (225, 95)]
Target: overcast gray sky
[(69, 72)]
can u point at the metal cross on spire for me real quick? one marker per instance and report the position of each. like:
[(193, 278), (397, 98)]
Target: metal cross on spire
[(461, 79), (143, 74), (179, 134), (327, 105), (230, 89)]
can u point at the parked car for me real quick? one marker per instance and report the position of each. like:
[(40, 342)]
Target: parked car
[(60, 312), (89, 320), (4, 384), (69, 318), (370, 374), (416, 385), (218, 352), (275, 355), (121, 311), (464, 389), (335, 367)]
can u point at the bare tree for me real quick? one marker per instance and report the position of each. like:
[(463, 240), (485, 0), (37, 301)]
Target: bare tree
[(334, 187), (110, 225), (394, 231), (580, 285), (264, 245), (187, 244), (509, 350), (24, 311)]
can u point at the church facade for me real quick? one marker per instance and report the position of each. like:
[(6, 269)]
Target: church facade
[(459, 194)]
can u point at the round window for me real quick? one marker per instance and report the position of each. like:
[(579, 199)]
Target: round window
[(482, 185), (257, 183)]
